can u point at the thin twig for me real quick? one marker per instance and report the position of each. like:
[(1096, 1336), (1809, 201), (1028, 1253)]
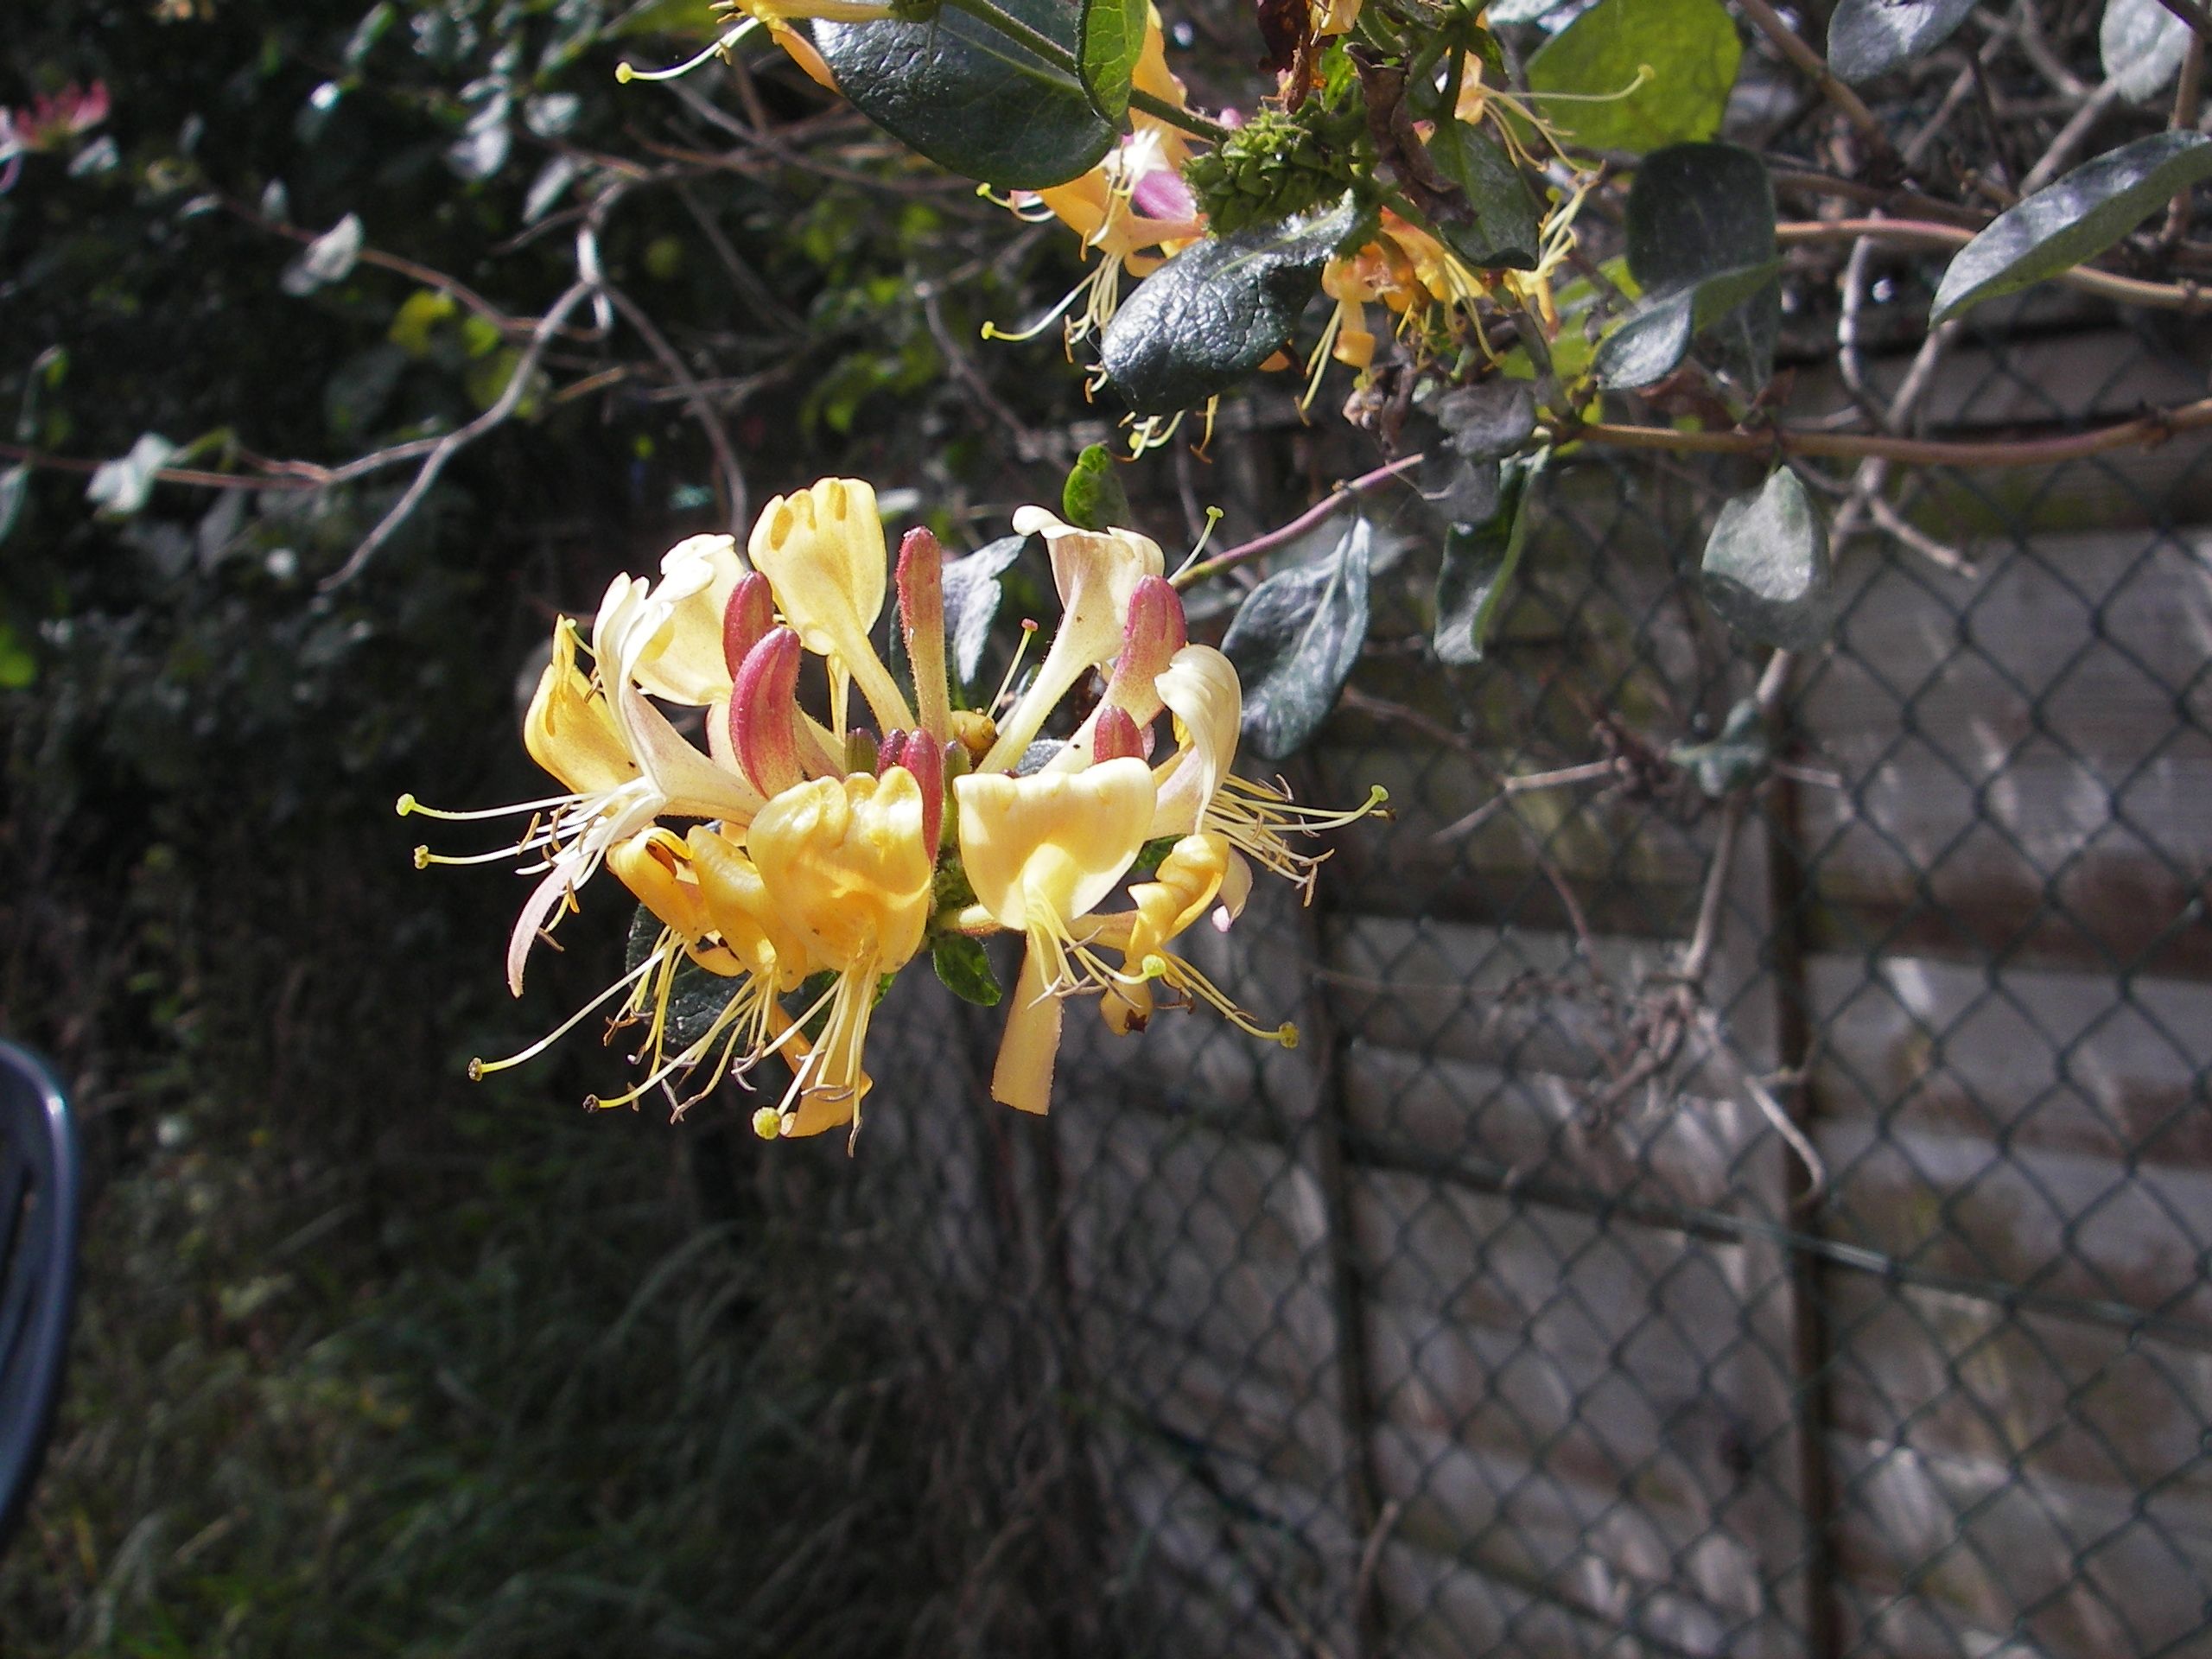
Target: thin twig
[(703, 413), (2189, 92), (1792, 46), (1523, 783), (2070, 135), (445, 449), (1351, 490), (2144, 431), (1923, 233)]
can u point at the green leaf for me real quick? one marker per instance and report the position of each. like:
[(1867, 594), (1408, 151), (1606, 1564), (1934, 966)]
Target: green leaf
[(2141, 44), (1503, 230), (1109, 41), (2074, 219), (972, 600), (1736, 760), (1704, 213), (1766, 571), (1093, 498), (1479, 561), (1690, 47), (1652, 343), (1296, 641), (119, 487), (1216, 311), (15, 487), (18, 668), (965, 968), (970, 99), (1868, 38)]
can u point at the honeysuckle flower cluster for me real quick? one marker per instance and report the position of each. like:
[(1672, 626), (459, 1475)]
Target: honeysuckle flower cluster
[(1134, 210), (805, 861)]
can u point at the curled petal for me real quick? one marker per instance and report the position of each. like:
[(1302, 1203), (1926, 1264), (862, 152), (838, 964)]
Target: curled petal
[(1201, 689), (1046, 848), (679, 653), (569, 729), (845, 866), (1023, 1077)]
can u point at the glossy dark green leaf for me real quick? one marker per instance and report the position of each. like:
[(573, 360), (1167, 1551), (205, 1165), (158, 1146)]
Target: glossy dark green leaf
[(1296, 641), (1766, 571), (965, 968), (1699, 213), (1093, 498), (2076, 218), (1479, 562), (1651, 344), (1215, 312), (970, 99), (1872, 37), (971, 601), (1690, 47), (1502, 228), (2141, 44), (1110, 40)]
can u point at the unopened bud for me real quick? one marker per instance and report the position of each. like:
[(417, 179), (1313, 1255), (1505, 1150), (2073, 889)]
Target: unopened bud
[(888, 751), (921, 620), (1115, 736), (1152, 633), (764, 713), (926, 761), (747, 617)]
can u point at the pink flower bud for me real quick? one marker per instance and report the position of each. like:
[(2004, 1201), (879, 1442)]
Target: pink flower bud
[(888, 751), (746, 619), (1115, 736), (921, 620), (926, 761), (764, 718), (1152, 633)]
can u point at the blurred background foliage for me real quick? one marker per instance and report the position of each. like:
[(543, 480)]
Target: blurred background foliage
[(373, 1360)]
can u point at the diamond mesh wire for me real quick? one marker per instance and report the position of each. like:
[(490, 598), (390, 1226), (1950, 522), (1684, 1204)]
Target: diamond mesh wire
[(1770, 1224)]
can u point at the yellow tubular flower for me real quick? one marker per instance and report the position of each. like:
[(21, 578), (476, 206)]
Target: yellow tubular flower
[(823, 551), (1186, 884), (1197, 790), (680, 656), (1040, 853), (567, 728), (1097, 573), (623, 762), (845, 866)]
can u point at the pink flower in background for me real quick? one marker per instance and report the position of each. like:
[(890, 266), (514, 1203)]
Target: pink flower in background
[(48, 123), (52, 118)]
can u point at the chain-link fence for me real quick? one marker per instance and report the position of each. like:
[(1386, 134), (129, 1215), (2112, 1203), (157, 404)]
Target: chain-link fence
[(1770, 1222)]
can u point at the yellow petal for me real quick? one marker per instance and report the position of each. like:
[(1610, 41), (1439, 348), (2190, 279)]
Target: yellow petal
[(656, 866), (681, 657), (822, 551), (1096, 572), (1023, 1076), (1201, 689), (569, 729), (847, 867), (1051, 845)]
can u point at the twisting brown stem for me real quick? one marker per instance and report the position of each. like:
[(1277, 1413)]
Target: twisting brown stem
[(1771, 24), (1290, 532)]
